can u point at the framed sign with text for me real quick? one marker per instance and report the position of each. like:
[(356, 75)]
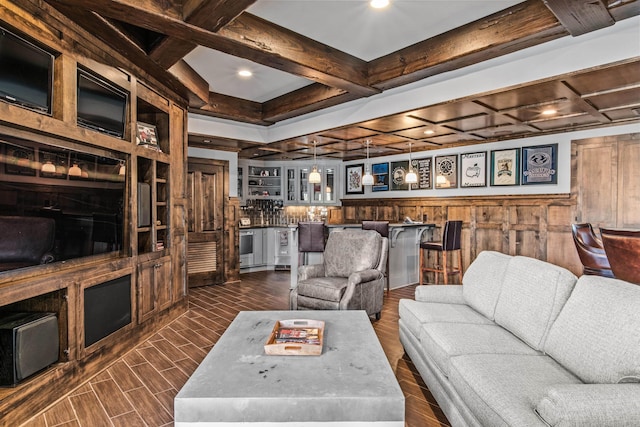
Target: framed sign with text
[(540, 164), (422, 167), (398, 172), (505, 167), (380, 172), (446, 171), (473, 169)]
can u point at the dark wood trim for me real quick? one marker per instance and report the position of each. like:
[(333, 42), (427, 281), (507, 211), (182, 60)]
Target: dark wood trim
[(581, 16)]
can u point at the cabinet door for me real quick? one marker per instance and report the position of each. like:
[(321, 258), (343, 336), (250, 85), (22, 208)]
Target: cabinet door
[(291, 185), (146, 291)]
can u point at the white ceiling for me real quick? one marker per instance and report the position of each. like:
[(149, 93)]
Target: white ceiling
[(347, 25)]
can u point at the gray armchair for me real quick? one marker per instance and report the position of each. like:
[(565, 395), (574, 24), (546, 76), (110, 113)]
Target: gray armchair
[(351, 276)]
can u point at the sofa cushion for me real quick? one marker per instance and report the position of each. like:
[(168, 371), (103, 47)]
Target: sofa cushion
[(597, 334), (348, 251), (532, 295), (442, 341), (415, 313), (483, 280), (504, 389)]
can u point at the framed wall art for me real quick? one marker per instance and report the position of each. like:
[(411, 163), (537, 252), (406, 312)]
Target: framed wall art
[(505, 167), (380, 172), (398, 172), (354, 179), (473, 169), (422, 167), (147, 135), (446, 171), (20, 160), (540, 164)]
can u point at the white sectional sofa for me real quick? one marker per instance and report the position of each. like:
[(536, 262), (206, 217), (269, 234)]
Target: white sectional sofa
[(525, 343)]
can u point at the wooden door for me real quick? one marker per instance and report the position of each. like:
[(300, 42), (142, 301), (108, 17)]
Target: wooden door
[(608, 181), (206, 194)]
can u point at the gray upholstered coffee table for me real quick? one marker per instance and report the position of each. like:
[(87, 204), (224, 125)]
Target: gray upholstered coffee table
[(350, 384)]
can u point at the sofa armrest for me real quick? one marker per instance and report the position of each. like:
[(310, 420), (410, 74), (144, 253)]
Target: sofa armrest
[(591, 404), (310, 271), (450, 294), (364, 276)]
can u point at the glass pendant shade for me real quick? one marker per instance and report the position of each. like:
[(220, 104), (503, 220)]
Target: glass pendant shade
[(411, 177), (48, 167), (123, 169), (367, 178), (314, 176), (75, 170)]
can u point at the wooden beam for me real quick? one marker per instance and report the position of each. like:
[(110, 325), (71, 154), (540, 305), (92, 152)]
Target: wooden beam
[(304, 100), (266, 44), (232, 108), (580, 16), (527, 24), (198, 87), (208, 14)]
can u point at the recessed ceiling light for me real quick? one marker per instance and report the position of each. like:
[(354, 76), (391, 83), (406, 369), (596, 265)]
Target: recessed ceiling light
[(245, 73), (379, 4), (549, 111), (429, 132)]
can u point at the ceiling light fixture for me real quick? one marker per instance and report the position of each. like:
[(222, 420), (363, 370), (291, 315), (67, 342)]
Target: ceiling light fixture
[(314, 176), (367, 179), (411, 177), (429, 132), (245, 73), (379, 4), (549, 112)]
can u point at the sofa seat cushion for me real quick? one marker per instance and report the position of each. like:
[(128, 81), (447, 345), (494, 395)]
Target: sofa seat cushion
[(483, 280), (504, 389), (597, 334), (532, 295), (324, 288), (349, 251), (416, 313), (442, 341)]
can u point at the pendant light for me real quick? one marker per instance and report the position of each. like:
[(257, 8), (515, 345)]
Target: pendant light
[(48, 167), (123, 169), (411, 177), (314, 176), (367, 179), (75, 170)]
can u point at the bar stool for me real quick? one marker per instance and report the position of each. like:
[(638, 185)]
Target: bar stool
[(450, 243), (311, 238), (382, 227)]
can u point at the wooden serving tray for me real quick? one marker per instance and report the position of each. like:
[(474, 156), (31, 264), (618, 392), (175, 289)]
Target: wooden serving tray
[(296, 337)]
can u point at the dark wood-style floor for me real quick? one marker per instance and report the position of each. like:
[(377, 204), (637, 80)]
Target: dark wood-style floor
[(138, 389)]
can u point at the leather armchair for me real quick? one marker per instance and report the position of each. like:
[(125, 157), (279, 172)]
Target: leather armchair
[(26, 241), (590, 250), (351, 276), (623, 250)]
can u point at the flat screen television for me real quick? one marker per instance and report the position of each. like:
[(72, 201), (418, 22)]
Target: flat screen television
[(101, 105), (26, 73), (107, 308)]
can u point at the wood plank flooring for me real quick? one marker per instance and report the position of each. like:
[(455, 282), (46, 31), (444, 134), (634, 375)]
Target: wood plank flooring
[(139, 388)]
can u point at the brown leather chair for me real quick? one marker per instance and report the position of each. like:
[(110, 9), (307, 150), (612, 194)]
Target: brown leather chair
[(450, 243), (590, 250), (623, 250), (382, 227)]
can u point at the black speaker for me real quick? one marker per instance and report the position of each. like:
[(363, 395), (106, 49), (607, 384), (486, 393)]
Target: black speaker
[(28, 344), (144, 204)]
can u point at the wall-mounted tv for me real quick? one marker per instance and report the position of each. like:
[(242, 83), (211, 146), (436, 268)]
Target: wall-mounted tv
[(26, 73), (101, 105)]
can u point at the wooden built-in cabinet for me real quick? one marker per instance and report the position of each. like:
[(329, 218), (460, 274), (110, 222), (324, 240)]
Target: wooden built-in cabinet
[(152, 253)]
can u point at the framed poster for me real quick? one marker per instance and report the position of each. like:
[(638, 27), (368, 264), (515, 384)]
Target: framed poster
[(446, 171), (380, 172), (20, 160), (422, 167), (540, 164), (354, 179), (398, 172), (505, 167), (473, 169), (147, 135)]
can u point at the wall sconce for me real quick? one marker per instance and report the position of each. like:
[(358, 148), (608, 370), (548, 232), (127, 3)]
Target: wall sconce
[(314, 176), (367, 178), (411, 177)]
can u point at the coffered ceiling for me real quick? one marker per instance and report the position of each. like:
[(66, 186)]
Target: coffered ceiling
[(307, 55)]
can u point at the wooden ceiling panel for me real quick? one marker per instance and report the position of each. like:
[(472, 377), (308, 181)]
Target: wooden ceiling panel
[(567, 122), (348, 133), (536, 113), (502, 131), (612, 100), (442, 113), (632, 113), (479, 122), (344, 145), (424, 132), (524, 97), (392, 123), (449, 139), (384, 139), (604, 79)]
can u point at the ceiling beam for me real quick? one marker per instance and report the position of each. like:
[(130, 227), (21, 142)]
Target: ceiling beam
[(527, 24), (232, 108), (259, 41), (581, 16), (198, 87), (208, 14)]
